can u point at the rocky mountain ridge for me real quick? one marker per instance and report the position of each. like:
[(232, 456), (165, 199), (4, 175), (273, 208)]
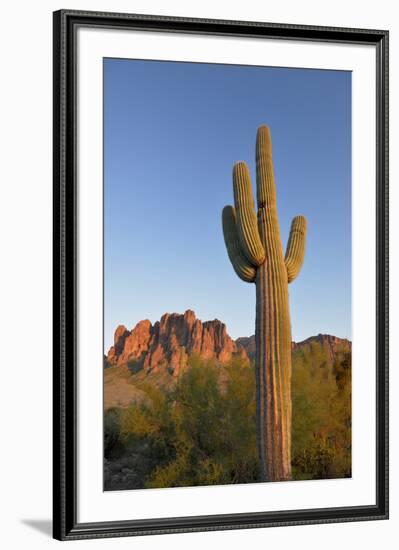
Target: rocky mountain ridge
[(332, 344), (167, 344), (170, 342)]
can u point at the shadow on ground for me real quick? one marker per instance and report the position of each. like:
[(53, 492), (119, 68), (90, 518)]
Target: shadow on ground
[(44, 526)]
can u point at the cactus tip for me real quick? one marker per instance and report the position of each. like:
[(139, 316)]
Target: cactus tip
[(264, 132), (300, 222)]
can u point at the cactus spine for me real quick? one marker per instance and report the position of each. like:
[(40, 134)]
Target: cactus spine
[(254, 247)]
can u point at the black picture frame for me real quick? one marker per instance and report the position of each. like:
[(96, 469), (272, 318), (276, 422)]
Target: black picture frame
[(66, 527)]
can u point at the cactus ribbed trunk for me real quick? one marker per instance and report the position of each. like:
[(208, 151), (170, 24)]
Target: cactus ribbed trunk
[(273, 354), (254, 247)]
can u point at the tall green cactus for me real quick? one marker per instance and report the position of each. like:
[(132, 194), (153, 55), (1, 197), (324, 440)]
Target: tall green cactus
[(254, 247)]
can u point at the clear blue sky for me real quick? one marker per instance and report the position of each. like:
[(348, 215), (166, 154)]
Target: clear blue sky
[(172, 132)]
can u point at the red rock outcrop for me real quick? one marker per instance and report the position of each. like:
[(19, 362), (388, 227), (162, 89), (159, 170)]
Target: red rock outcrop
[(170, 342)]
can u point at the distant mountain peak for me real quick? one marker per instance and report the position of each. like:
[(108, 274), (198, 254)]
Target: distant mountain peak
[(331, 343)]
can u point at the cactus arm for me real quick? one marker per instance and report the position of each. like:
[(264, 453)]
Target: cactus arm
[(241, 266), (295, 252), (247, 227)]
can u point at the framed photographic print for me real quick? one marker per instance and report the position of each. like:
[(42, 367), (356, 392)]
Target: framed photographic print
[(220, 274)]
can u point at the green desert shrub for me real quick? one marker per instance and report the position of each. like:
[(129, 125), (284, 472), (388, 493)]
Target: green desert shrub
[(202, 431), (214, 440), (112, 432), (321, 436)]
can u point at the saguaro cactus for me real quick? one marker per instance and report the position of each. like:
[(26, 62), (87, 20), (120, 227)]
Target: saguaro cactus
[(254, 247)]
